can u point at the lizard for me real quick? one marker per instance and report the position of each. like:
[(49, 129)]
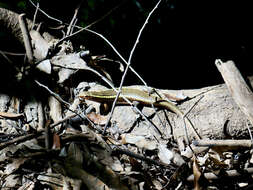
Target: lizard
[(135, 95)]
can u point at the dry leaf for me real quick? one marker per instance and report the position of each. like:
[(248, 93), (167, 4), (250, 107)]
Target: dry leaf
[(29, 185), (196, 173), (40, 45), (139, 141), (164, 154), (217, 163), (177, 159), (11, 181), (12, 167), (55, 109), (56, 142), (175, 97), (136, 166), (75, 155), (45, 66), (59, 182), (97, 118)]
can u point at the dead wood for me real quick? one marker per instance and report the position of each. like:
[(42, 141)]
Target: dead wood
[(215, 115), (237, 86), (230, 173)]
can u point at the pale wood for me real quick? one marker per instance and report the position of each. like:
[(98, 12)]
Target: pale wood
[(237, 86), (227, 142), (215, 116)]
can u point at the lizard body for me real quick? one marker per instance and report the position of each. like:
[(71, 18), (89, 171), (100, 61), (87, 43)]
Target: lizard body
[(133, 94)]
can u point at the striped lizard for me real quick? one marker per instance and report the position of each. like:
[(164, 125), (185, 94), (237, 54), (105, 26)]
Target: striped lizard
[(134, 94)]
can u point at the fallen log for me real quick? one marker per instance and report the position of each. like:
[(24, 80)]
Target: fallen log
[(213, 112)]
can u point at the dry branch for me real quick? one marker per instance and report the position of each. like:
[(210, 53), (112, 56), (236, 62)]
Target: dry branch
[(227, 142), (237, 86), (230, 173), (215, 116), (26, 37)]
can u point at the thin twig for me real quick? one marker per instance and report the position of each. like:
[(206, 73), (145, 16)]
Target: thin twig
[(11, 53), (71, 25), (250, 134), (26, 38), (81, 29), (67, 105), (109, 43), (3, 54), (188, 120), (19, 140), (105, 15), (74, 24), (91, 31), (140, 32), (115, 50), (52, 93), (35, 14), (117, 150), (195, 103), (43, 12), (128, 64)]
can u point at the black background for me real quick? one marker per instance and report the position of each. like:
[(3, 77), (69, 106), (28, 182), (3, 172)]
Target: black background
[(178, 46)]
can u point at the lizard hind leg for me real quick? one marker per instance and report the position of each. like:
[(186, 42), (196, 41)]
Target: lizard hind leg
[(105, 108)]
